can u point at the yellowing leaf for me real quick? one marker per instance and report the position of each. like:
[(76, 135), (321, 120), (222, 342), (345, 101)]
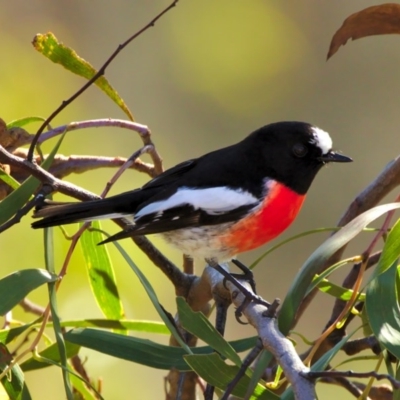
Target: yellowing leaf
[(50, 47)]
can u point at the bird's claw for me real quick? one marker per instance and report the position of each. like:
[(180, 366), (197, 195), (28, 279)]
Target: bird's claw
[(247, 275), (250, 295)]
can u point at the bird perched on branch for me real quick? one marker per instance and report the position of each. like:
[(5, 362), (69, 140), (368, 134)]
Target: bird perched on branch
[(223, 203)]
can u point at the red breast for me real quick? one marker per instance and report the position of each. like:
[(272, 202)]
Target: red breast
[(278, 210)]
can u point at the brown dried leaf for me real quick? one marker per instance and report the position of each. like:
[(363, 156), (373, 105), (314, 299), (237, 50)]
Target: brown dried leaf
[(376, 20), (3, 132), (13, 137), (18, 137)]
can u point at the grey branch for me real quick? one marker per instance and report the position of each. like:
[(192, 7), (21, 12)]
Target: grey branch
[(272, 339)]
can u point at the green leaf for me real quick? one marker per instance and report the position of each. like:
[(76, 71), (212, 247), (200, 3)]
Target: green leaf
[(381, 303), (19, 123), (390, 251), (262, 362), (200, 326), (101, 273), (383, 310), (16, 286), (48, 45), (337, 291), (14, 381), (50, 353), (85, 393), (49, 261), (213, 369), (142, 351), (60, 343), (396, 392), (152, 296), (7, 335), (15, 200), (9, 180), (326, 273), (303, 279), (130, 325), (288, 240)]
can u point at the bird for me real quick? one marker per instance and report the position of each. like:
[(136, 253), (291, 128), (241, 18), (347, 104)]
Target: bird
[(221, 204)]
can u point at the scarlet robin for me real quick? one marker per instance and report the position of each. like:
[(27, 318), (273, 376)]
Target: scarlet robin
[(226, 202)]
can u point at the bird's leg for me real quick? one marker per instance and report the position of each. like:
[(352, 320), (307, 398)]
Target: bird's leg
[(249, 295)]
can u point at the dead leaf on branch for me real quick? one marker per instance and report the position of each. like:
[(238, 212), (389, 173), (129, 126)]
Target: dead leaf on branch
[(13, 137), (376, 20)]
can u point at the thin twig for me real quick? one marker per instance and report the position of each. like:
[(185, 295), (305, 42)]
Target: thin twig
[(99, 73), (31, 307), (143, 130), (66, 165), (127, 164), (345, 383), (222, 305), (313, 375), (349, 282), (46, 177), (246, 363), (357, 345)]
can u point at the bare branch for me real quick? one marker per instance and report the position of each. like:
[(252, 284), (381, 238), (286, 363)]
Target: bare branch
[(31, 307), (143, 131), (351, 374), (63, 166), (46, 177), (272, 339), (127, 164), (357, 345)]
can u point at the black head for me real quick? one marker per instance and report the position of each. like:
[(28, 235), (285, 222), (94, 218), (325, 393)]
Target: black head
[(293, 152)]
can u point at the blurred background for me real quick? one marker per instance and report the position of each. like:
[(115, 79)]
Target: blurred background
[(206, 75)]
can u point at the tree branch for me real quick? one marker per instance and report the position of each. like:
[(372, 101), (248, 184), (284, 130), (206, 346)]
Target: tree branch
[(272, 339)]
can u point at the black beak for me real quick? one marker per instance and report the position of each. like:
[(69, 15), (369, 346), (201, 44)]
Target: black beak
[(331, 156)]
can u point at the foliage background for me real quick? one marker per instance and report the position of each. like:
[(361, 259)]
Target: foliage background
[(206, 75)]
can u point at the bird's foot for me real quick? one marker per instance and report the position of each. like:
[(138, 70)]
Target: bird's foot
[(250, 295), (247, 274)]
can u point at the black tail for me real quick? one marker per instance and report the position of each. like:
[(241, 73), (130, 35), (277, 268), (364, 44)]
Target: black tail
[(56, 213)]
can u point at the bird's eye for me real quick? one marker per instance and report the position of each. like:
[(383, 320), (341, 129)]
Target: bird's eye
[(299, 150)]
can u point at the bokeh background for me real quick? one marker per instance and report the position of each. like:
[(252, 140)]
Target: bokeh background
[(207, 74)]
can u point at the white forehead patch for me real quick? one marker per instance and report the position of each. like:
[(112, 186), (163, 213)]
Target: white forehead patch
[(322, 140)]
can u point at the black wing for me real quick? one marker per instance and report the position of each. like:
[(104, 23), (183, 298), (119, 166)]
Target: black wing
[(177, 218), (59, 213)]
